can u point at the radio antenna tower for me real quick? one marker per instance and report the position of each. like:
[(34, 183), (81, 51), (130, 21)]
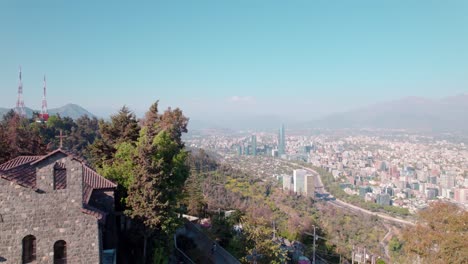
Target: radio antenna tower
[(44, 113), (20, 102)]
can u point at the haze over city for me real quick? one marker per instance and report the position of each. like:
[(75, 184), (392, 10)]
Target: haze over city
[(229, 132), (289, 61)]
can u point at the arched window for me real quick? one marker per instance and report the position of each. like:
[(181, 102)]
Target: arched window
[(29, 249), (60, 252)]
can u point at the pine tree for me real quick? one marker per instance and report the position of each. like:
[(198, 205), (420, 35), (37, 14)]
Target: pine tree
[(123, 127), (159, 176), (82, 134), (175, 123), (20, 137), (152, 120), (4, 145)]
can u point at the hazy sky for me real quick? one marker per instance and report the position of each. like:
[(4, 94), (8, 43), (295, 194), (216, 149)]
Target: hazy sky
[(233, 57)]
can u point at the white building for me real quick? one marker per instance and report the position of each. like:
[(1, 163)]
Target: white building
[(299, 181), (288, 183)]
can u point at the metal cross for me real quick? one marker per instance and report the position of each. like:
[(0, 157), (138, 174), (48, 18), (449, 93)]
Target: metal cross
[(61, 138)]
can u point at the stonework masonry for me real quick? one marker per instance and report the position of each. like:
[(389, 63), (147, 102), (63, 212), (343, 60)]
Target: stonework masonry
[(49, 215)]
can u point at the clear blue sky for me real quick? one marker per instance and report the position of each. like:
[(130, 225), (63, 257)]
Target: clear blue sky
[(234, 56)]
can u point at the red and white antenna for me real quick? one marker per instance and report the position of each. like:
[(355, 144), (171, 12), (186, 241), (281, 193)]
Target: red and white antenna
[(44, 114), (20, 102)]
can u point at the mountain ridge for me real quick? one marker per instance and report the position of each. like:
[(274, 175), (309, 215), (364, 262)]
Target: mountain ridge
[(71, 110), (415, 113)]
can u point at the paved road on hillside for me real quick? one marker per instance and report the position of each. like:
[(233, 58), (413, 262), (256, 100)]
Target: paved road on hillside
[(321, 190), (205, 245)]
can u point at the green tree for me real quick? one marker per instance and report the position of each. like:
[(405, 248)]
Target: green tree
[(175, 123), (121, 171), (152, 120), (258, 236), (20, 137), (49, 131), (394, 245), (123, 127), (172, 121), (5, 148), (82, 134), (160, 173)]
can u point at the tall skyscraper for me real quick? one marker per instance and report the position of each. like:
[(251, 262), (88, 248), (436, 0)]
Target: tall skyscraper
[(281, 141), (254, 145)]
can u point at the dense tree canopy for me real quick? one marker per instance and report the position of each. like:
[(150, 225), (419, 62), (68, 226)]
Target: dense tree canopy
[(441, 236), (123, 127), (19, 136), (160, 173)]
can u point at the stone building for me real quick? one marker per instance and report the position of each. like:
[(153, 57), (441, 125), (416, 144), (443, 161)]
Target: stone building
[(54, 209)]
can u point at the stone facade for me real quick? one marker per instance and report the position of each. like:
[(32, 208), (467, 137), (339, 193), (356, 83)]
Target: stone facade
[(49, 215)]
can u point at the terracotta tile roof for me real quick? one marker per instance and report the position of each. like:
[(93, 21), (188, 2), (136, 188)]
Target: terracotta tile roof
[(95, 180), (22, 170), (23, 175), (18, 161)]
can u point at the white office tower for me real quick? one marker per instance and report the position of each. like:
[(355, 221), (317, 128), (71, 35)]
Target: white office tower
[(288, 182), (299, 181)]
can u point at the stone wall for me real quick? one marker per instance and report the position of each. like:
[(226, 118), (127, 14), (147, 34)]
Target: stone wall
[(104, 200), (49, 215)]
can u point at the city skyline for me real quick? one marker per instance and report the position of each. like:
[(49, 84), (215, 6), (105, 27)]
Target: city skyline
[(234, 131), (238, 57)]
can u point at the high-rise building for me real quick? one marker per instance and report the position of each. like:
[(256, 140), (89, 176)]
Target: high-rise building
[(245, 149), (288, 183), (299, 181), (239, 150), (281, 141), (254, 145), (383, 199)]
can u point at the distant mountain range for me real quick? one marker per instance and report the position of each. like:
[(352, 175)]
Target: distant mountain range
[(414, 113), (448, 114), (411, 113), (69, 110)]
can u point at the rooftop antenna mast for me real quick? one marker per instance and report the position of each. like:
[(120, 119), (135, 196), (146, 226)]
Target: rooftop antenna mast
[(20, 102), (44, 113)]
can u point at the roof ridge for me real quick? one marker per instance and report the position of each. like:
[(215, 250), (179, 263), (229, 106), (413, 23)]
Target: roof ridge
[(50, 154)]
